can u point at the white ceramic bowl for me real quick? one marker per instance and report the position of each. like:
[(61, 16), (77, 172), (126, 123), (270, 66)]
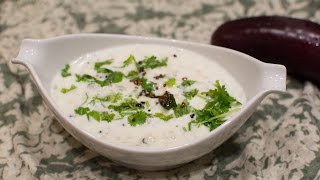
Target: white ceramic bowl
[(44, 58)]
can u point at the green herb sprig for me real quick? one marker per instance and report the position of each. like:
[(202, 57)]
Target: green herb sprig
[(66, 90), (65, 71), (171, 82), (153, 62), (216, 109), (98, 116), (187, 82), (190, 94)]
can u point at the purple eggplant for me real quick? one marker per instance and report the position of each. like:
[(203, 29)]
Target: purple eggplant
[(294, 43)]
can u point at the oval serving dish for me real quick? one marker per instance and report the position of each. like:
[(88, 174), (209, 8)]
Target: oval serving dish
[(44, 58)]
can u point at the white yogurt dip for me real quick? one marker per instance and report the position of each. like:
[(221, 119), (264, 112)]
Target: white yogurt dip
[(154, 133)]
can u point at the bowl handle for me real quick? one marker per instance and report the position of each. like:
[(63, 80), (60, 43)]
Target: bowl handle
[(28, 51), (274, 77)]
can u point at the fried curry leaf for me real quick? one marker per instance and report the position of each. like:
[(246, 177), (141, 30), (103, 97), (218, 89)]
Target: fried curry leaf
[(167, 101)]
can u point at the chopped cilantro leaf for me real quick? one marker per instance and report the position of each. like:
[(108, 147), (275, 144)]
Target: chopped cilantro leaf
[(109, 98), (129, 61), (220, 94), (190, 94), (95, 115), (133, 75), (99, 69), (129, 104), (82, 110), (171, 82), (85, 78), (106, 116), (114, 97), (152, 62), (217, 108), (139, 117), (182, 109), (186, 83), (113, 77), (147, 85), (98, 116), (65, 71), (163, 116), (66, 90)]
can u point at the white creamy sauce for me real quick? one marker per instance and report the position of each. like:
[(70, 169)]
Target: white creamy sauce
[(154, 133)]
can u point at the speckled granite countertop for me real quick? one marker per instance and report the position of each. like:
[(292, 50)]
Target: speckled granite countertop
[(280, 141)]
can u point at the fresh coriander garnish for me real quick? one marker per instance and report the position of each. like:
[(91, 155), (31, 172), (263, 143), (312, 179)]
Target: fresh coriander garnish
[(87, 78), (113, 77), (98, 116), (152, 62), (190, 94), (171, 82), (82, 110), (147, 85), (106, 116), (66, 90), (182, 109), (163, 116), (186, 82), (98, 66), (114, 98), (217, 108), (129, 61), (129, 104), (133, 75), (95, 115), (65, 71), (139, 117)]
